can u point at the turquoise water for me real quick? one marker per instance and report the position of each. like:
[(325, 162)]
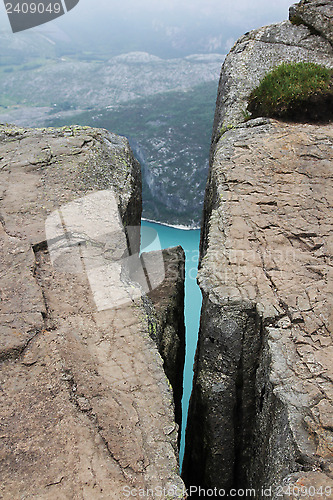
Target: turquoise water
[(189, 240)]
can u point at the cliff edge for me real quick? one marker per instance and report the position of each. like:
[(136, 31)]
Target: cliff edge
[(261, 410), (259, 51), (87, 411)]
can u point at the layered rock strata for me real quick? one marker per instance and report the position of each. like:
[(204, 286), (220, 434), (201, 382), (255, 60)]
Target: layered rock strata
[(86, 408), (261, 409)]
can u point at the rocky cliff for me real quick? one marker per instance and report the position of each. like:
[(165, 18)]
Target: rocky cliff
[(87, 411), (261, 410), (316, 14)]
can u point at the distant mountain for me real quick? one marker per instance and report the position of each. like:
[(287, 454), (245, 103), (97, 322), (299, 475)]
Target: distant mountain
[(102, 38), (164, 106), (35, 86), (167, 29), (170, 135)]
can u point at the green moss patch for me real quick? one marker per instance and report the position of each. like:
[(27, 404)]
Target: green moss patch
[(295, 91)]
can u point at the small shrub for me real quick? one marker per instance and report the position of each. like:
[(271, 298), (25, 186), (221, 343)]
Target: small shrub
[(246, 115), (296, 91)]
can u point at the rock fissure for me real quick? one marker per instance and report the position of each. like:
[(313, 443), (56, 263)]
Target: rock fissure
[(15, 353), (55, 482), (39, 249), (3, 224), (85, 407)]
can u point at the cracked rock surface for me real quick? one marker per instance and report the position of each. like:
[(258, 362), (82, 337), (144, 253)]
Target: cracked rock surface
[(261, 411), (86, 409)]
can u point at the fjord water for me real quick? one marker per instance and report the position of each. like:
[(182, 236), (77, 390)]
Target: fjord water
[(189, 240)]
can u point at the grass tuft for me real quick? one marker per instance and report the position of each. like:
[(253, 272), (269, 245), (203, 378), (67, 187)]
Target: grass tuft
[(297, 91)]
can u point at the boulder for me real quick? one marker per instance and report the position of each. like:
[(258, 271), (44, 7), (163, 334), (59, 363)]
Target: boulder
[(252, 57), (316, 14)]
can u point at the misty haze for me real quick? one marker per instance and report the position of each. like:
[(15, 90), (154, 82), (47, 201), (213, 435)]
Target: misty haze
[(146, 70)]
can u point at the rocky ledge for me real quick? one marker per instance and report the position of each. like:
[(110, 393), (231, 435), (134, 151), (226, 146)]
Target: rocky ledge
[(261, 410), (260, 50), (316, 14), (87, 411)]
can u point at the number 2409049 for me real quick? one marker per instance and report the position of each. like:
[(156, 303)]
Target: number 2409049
[(304, 491), (33, 8)]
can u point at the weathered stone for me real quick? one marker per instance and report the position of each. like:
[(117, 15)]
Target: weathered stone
[(252, 57), (166, 318), (316, 14), (86, 409), (262, 401)]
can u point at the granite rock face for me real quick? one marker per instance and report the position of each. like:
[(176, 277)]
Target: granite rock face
[(165, 308), (260, 414), (253, 56), (316, 14), (86, 409), (261, 410)]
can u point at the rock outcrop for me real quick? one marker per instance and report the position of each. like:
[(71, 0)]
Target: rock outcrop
[(165, 309), (316, 14), (261, 409), (253, 56), (86, 409), (260, 415)]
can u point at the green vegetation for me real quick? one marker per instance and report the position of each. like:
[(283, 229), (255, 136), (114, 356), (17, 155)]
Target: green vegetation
[(223, 130), (296, 91)]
